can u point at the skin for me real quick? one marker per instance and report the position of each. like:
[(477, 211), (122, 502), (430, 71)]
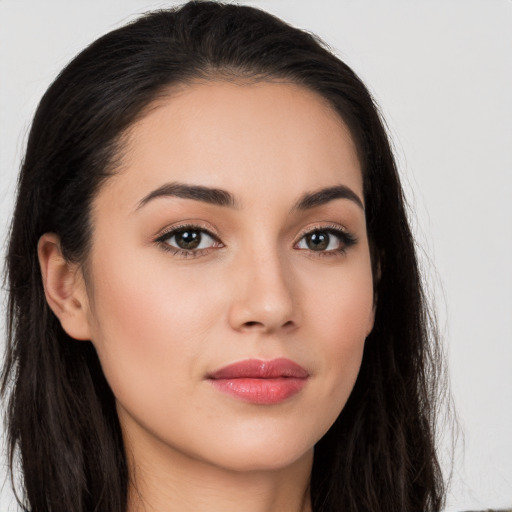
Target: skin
[(162, 321)]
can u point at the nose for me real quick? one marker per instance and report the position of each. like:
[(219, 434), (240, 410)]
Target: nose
[(263, 298)]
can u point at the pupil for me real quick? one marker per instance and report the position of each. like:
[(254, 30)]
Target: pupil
[(188, 239), (318, 241)]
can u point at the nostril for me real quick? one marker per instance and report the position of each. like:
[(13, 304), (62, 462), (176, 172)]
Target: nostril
[(251, 324)]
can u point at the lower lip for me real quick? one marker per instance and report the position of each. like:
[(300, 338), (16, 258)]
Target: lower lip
[(260, 391)]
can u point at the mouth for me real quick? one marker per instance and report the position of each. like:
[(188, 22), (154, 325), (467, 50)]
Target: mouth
[(260, 382)]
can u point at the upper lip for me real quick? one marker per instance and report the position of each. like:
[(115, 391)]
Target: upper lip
[(260, 369)]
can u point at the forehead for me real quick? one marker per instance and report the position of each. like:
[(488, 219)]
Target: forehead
[(245, 137)]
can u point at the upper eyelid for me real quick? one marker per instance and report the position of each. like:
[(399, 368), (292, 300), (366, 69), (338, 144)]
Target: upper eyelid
[(323, 227), (169, 231)]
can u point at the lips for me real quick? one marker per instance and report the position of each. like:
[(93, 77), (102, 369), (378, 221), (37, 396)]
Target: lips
[(260, 382)]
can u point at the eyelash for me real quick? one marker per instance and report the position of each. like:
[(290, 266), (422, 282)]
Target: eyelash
[(161, 240), (346, 239)]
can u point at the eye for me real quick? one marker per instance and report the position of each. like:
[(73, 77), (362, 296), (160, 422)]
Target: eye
[(327, 240), (188, 241)]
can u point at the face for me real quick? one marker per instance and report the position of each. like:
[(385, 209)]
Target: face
[(229, 287)]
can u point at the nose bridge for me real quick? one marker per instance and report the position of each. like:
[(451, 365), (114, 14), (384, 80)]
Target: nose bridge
[(263, 297)]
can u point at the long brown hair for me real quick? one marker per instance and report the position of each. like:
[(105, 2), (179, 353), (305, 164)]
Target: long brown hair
[(380, 453)]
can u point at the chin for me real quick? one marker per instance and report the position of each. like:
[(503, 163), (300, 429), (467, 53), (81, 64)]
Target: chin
[(265, 452), (269, 460)]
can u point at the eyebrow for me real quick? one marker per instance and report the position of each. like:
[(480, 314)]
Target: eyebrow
[(220, 197), (209, 195), (325, 195)]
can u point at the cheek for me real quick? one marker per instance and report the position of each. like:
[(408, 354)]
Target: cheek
[(148, 327), (341, 316)]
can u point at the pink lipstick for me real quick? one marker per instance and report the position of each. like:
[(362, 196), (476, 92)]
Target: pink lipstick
[(260, 382)]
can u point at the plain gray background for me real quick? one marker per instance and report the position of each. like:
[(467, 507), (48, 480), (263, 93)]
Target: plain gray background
[(441, 71)]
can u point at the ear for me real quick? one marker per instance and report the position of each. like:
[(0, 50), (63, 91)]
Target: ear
[(64, 288)]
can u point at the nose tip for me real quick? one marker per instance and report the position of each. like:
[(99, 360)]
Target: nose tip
[(263, 300)]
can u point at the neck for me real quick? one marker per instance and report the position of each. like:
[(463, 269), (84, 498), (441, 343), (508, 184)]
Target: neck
[(165, 480)]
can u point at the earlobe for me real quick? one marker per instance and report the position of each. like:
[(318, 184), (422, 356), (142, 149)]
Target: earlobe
[(64, 287)]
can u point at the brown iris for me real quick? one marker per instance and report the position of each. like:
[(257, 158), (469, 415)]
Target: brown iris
[(318, 241), (188, 239)]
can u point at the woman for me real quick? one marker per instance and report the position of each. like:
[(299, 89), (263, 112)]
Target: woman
[(215, 302)]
